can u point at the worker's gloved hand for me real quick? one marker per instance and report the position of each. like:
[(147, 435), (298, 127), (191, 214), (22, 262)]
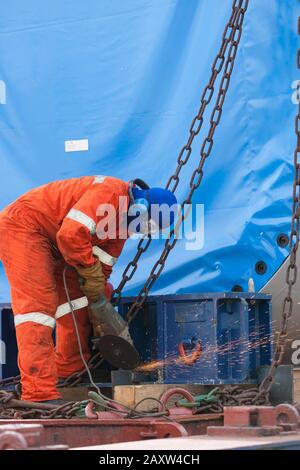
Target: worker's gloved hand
[(92, 281)]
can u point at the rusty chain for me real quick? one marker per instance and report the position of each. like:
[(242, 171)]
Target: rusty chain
[(229, 36), (11, 408), (95, 361), (223, 396), (205, 151), (291, 273), (232, 395), (10, 381)]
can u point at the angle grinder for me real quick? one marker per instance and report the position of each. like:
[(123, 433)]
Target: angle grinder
[(112, 338)]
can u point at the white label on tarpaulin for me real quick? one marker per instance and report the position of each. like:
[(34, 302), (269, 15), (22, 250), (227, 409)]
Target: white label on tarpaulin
[(2, 92), (76, 145)]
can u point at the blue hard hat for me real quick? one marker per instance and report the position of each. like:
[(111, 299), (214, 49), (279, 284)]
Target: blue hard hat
[(161, 204)]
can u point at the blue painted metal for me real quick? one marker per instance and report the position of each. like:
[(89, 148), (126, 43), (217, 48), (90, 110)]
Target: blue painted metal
[(128, 76), (233, 329), (8, 344)]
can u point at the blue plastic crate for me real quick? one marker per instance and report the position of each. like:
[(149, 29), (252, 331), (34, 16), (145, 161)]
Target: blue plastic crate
[(234, 330), (8, 343)]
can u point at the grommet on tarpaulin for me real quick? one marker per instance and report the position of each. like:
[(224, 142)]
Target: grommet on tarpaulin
[(282, 240), (261, 267)]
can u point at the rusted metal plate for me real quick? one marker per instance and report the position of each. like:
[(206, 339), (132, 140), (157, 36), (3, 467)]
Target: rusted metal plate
[(197, 425), (24, 437), (20, 436), (250, 421), (90, 432)]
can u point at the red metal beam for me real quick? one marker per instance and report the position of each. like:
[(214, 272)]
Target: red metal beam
[(88, 432)]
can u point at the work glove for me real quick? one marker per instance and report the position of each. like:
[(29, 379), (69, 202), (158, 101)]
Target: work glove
[(92, 281)]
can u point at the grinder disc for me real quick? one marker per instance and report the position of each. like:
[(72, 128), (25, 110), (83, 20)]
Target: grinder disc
[(118, 352)]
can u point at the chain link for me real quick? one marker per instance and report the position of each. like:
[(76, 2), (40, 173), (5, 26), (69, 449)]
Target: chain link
[(206, 149), (229, 395), (10, 381), (131, 268), (95, 361), (19, 409), (231, 35)]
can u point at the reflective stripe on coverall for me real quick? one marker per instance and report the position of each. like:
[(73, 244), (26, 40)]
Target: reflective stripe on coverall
[(33, 232)]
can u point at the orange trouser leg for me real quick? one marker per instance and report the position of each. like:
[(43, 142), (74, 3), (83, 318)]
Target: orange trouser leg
[(36, 362), (68, 359), (29, 265)]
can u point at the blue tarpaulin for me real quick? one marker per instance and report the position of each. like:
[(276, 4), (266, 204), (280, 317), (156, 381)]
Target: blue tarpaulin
[(128, 76)]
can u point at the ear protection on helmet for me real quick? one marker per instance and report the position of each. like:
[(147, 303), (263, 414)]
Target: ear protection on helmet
[(142, 202), (140, 183)]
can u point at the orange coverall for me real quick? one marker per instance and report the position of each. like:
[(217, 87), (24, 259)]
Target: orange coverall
[(40, 232)]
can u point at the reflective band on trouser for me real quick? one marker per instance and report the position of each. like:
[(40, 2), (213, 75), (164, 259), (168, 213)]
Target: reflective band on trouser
[(104, 257), (83, 219), (35, 317), (77, 304)]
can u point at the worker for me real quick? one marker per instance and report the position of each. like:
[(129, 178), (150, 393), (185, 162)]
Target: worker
[(40, 233)]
